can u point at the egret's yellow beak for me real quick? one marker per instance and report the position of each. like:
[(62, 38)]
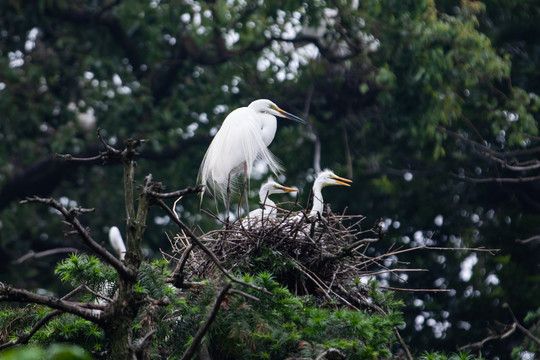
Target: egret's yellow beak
[(341, 181), (289, 116), (286, 189)]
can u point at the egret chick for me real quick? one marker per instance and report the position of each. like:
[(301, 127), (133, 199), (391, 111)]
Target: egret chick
[(269, 207), (324, 178), (117, 243), (243, 138)]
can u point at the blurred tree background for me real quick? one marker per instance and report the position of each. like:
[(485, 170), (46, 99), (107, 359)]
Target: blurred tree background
[(429, 106)]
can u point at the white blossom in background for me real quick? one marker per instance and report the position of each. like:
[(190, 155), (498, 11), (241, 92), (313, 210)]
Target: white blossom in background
[(466, 267)]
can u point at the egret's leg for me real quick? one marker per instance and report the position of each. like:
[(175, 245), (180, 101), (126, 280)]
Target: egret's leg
[(228, 200), (245, 189)]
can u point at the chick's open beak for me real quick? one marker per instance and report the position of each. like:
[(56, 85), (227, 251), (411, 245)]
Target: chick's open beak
[(342, 181), (287, 189)]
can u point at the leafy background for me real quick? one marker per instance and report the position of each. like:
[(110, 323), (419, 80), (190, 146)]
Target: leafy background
[(395, 94)]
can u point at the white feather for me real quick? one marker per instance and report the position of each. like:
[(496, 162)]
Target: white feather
[(243, 138), (117, 242)]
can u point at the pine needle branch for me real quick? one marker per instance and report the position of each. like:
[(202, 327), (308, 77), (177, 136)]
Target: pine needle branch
[(209, 320)]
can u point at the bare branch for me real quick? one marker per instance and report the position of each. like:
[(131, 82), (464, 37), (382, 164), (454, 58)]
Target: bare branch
[(209, 320), (528, 240), (499, 180), (348, 250), (480, 344), (71, 218), (511, 329), (23, 339), (414, 290), (485, 148), (176, 276), (34, 255), (244, 294), (521, 327), (178, 193), (8, 293)]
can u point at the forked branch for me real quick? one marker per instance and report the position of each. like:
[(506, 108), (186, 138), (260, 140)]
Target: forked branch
[(71, 218)]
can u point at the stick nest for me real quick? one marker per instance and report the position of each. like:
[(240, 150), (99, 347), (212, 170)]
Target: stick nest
[(324, 257)]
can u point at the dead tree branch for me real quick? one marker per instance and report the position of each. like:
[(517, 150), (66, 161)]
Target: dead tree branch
[(528, 240), (34, 255), (8, 293), (71, 218), (516, 325)]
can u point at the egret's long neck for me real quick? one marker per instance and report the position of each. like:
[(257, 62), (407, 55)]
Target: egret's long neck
[(269, 205), (317, 201), (268, 128), (265, 199)]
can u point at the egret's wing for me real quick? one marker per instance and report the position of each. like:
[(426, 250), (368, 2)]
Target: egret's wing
[(237, 142), (253, 146)]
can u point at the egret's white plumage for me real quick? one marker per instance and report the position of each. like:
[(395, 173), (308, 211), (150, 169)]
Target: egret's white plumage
[(243, 138), (117, 242), (324, 178), (269, 207)]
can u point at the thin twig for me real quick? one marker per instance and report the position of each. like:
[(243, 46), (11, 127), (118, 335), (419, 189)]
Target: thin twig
[(208, 252), (71, 218), (244, 294), (176, 194), (34, 255), (23, 339), (414, 290), (521, 327), (528, 240), (498, 180), (480, 344)]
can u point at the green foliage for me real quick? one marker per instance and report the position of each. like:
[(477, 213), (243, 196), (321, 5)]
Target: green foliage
[(462, 355), (64, 328), (89, 270), (408, 70), (52, 352), (74, 330), (283, 325)]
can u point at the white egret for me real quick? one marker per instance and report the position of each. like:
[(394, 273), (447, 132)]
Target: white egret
[(243, 138), (269, 209), (117, 243), (324, 178)]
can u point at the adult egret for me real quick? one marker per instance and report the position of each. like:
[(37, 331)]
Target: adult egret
[(117, 243), (324, 178), (243, 138), (269, 207)]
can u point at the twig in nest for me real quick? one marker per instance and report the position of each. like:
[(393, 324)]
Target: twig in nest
[(208, 252)]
